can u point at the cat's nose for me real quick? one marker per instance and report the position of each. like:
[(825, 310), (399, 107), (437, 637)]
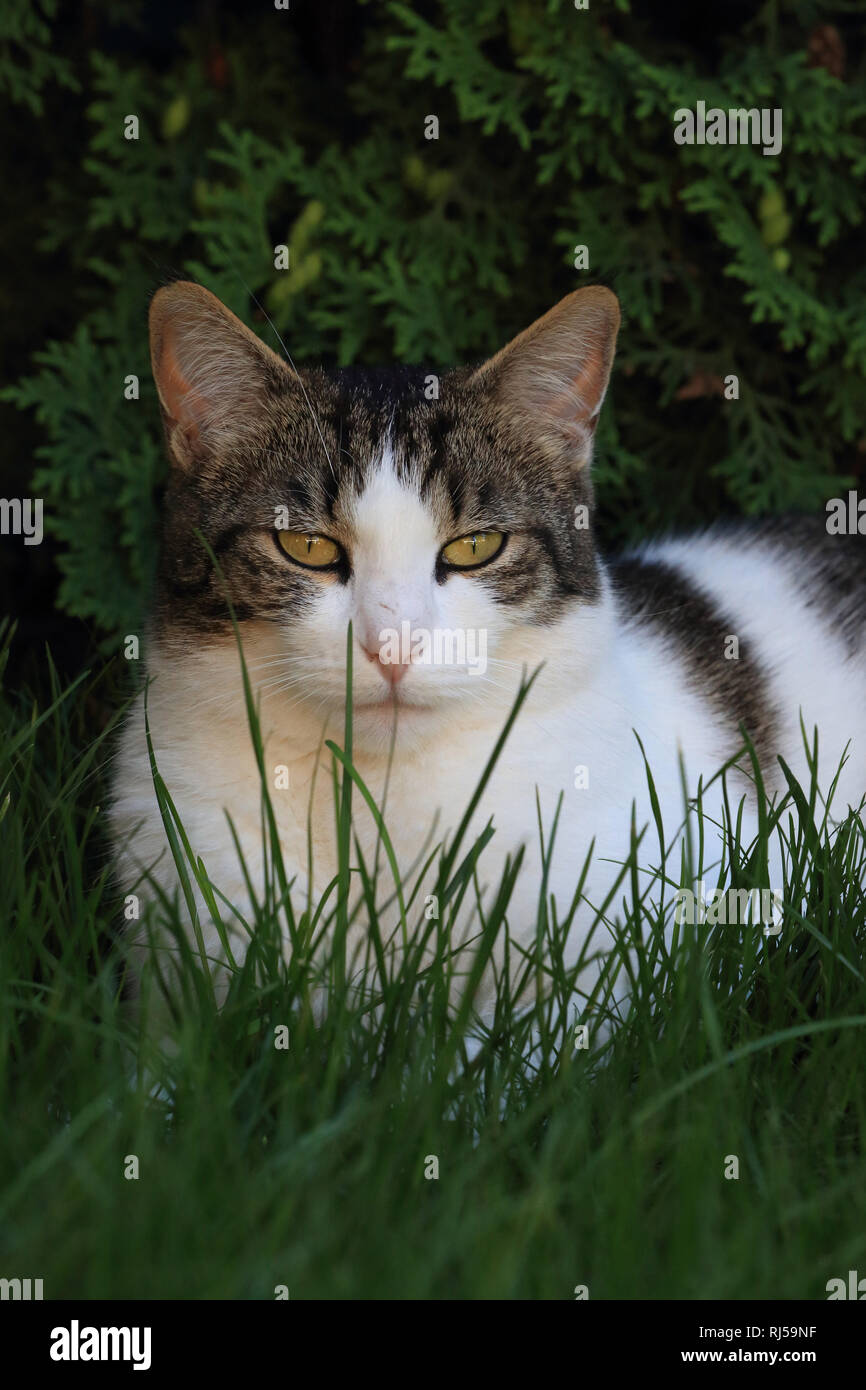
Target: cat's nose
[(393, 671)]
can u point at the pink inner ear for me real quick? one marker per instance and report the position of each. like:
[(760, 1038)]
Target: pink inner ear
[(589, 386), (181, 401), (582, 370), (579, 395)]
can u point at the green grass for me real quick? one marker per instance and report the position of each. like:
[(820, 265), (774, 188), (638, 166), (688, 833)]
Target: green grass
[(305, 1167)]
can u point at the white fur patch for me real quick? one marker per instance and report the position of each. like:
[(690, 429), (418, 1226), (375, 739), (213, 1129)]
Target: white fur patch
[(598, 685)]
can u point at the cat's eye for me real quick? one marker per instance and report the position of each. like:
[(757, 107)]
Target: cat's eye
[(468, 552), (314, 552)]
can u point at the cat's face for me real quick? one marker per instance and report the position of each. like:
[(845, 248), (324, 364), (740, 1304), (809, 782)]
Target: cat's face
[(443, 517)]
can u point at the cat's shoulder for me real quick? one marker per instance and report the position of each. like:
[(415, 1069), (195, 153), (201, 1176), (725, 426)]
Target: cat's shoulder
[(740, 612), (699, 579)]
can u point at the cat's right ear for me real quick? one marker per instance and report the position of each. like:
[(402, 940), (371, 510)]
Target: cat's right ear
[(214, 377), (550, 380)]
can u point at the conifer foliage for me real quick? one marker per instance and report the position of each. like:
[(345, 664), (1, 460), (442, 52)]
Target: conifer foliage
[(434, 170)]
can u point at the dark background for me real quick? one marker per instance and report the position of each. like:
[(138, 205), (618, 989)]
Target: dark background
[(695, 290)]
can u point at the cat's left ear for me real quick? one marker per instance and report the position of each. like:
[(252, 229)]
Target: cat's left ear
[(214, 377), (551, 379)]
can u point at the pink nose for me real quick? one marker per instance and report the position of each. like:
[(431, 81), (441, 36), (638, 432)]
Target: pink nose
[(392, 671)]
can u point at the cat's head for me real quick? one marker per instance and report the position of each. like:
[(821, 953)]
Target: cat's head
[(444, 516)]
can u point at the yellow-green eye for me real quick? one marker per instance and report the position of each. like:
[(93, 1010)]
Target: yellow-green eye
[(316, 552), (469, 551)]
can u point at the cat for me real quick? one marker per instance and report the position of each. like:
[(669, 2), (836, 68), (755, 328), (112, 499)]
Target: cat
[(407, 504)]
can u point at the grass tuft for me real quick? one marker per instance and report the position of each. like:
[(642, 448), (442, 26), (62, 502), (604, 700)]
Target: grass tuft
[(305, 1166)]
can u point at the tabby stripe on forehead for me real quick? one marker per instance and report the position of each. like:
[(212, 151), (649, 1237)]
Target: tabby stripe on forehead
[(329, 479), (400, 438), (298, 497), (440, 427), (356, 447), (487, 498), (456, 485)]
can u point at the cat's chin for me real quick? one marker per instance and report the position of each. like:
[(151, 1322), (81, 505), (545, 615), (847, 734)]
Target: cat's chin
[(388, 709), (376, 720), (379, 726)]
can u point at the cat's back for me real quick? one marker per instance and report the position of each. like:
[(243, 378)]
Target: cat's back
[(764, 620)]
